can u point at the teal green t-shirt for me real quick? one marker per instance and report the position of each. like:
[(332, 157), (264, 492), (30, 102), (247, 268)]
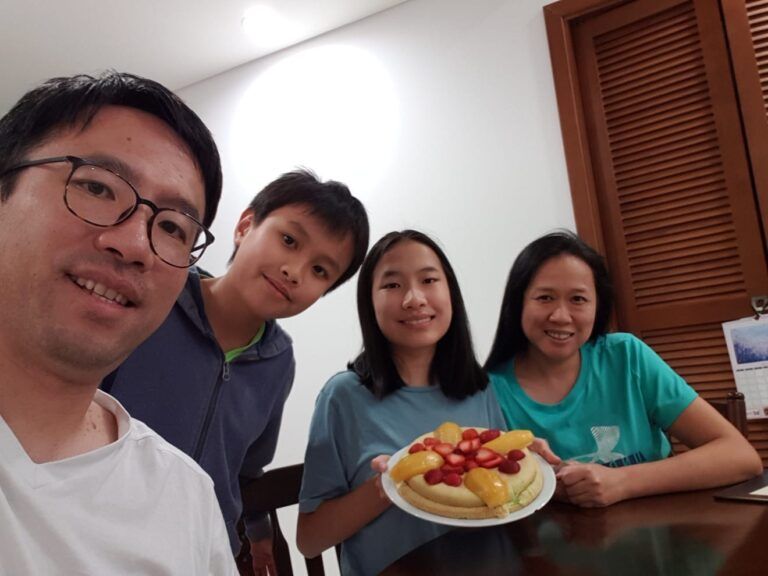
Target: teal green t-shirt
[(624, 398)]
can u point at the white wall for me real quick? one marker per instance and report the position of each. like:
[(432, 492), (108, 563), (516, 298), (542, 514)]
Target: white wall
[(454, 131)]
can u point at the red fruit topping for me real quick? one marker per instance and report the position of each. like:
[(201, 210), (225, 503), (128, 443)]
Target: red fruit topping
[(465, 446), (515, 454), (469, 433), (452, 479), (485, 454), (492, 463), (443, 449), (509, 467), (430, 441), (488, 435), (476, 443), (418, 447), (448, 469), (434, 476), (469, 464), (455, 460)]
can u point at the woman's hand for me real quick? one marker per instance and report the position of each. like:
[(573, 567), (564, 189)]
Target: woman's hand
[(590, 485), (541, 447), (379, 465)]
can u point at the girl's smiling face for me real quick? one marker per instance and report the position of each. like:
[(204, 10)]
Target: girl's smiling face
[(559, 308), (411, 297)]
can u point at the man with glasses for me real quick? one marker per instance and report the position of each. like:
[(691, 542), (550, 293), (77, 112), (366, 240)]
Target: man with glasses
[(107, 186)]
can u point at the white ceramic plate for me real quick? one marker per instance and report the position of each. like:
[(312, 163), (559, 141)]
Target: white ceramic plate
[(544, 496)]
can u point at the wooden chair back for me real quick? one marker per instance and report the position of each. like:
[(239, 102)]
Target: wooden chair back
[(734, 410), (276, 489)]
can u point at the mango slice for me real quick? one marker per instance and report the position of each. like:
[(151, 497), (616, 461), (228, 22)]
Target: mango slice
[(416, 463), (512, 440), (449, 432), (488, 486)]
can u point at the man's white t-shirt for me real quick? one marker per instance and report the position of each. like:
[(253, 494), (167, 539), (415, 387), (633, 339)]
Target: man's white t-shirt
[(136, 506)]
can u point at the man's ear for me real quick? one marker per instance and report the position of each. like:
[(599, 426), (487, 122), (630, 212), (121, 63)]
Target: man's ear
[(244, 225)]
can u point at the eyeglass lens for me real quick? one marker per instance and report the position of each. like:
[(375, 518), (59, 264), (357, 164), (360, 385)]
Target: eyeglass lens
[(100, 197)]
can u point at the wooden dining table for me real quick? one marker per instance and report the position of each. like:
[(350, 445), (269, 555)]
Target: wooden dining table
[(683, 534)]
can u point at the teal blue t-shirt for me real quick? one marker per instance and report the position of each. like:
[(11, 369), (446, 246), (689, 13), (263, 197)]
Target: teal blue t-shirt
[(624, 398), (349, 428)]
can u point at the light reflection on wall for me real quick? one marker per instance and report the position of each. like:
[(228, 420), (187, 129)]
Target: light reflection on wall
[(332, 109)]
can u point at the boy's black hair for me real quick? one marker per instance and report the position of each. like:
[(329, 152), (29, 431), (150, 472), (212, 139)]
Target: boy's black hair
[(510, 338), (454, 367), (62, 103), (330, 201)]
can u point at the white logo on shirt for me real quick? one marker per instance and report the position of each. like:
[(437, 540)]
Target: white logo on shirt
[(606, 439)]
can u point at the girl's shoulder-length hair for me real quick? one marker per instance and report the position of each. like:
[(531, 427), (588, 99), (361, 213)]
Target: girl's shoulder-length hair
[(454, 368)]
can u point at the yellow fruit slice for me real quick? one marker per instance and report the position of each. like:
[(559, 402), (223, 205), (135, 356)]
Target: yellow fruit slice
[(512, 440), (417, 463), (488, 486), (449, 432)]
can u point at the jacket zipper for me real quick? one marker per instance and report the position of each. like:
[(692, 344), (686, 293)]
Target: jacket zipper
[(211, 407)]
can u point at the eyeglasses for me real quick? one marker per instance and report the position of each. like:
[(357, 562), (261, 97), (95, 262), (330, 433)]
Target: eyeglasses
[(100, 196)]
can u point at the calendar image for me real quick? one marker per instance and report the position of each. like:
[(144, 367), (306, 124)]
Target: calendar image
[(747, 341), (750, 343)]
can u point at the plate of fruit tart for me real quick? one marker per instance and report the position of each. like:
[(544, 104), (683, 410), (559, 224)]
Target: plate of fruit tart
[(469, 476)]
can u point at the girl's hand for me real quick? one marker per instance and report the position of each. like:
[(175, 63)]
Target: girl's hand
[(541, 447), (590, 485), (379, 465)]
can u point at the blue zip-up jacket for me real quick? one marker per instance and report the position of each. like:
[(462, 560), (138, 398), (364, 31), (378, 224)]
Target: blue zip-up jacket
[(225, 415)]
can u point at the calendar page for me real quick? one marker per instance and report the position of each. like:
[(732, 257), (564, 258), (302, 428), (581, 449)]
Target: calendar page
[(747, 341)]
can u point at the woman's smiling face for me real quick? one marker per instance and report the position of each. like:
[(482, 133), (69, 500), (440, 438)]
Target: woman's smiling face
[(411, 297), (559, 308)]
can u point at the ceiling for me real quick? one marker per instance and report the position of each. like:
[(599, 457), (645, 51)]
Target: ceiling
[(176, 42)]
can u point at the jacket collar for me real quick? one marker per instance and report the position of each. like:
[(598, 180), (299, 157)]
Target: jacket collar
[(273, 342)]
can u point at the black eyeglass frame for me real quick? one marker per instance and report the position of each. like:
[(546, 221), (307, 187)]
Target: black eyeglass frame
[(77, 162)]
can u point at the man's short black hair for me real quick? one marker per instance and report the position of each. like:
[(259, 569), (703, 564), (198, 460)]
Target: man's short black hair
[(330, 201), (66, 102)]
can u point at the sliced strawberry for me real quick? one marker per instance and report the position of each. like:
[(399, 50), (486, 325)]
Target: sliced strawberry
[(469, 464), (448, 469), (465, 446), (509, 467), (485, 454), (443, 449), (488, 435), (455, 460), (515, 454), (476, 444), (430, 441), (418, 447), (452, 479), (469, 433), (492, 463), (434, 476)]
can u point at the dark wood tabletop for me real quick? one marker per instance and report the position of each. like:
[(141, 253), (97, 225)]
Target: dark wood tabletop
[(674, 534)]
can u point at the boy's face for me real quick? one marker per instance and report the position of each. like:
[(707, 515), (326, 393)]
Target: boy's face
[(286, 262), (76, 296)]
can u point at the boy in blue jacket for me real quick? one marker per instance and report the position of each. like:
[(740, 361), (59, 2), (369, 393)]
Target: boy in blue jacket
[(214, 377)]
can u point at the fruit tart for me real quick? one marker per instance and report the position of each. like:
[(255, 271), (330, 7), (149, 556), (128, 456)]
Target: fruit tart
[(469, 473)]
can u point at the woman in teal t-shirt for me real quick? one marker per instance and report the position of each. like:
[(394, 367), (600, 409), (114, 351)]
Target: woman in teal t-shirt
[(604, 401)]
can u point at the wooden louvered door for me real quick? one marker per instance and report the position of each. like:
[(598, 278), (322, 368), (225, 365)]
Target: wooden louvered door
[(670, 179), (747, 27)]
